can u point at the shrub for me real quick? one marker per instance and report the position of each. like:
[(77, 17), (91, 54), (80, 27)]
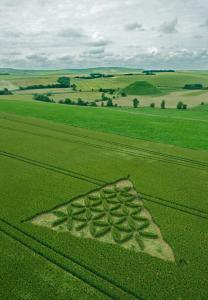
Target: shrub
[(152, 105)]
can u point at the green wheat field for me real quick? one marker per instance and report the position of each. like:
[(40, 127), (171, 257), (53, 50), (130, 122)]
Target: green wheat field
[(104, 202)]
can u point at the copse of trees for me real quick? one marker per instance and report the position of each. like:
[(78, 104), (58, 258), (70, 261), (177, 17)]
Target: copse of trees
[(194, 86), (110, 91), (62, 82), (95, 76), (181, 105), (5, 92), (79, 102), (135, 102), (43, 98)]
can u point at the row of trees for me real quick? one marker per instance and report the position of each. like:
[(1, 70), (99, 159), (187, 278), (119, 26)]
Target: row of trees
[(62, 82), (180, 104)]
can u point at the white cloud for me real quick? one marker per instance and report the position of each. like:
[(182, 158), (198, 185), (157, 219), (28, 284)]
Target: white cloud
[(51, 33)]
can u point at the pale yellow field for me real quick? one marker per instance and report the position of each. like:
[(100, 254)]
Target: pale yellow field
[(190, 98)]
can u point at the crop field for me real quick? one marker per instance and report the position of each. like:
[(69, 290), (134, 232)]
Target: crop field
[(162, 86), (103, 203)]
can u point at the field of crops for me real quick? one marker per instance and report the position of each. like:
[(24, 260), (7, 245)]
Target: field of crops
[(164, 86), (53, 156)]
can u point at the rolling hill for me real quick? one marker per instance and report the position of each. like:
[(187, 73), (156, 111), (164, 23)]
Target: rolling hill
[(141, 88)]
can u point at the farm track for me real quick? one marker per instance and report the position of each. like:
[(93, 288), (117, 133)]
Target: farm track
[(125, 149), (160, 201), (68, 264)]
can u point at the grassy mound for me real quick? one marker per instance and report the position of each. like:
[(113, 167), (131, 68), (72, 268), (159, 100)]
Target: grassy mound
[(141, 88)]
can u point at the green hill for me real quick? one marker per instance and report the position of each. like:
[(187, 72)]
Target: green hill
[(141, 88)]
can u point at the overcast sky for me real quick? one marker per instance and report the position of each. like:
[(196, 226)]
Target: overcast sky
[(52, 34)]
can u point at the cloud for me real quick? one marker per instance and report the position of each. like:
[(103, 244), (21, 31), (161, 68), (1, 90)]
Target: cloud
[(169, 27), (134, 27), (71, 33), (205, 24), (54, 34), (98, 40)]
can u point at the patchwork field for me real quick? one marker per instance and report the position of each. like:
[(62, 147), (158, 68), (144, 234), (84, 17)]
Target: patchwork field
[(153, 88), (101, 203)]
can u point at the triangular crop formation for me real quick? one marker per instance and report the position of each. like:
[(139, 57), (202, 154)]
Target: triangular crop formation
[(113, 214)]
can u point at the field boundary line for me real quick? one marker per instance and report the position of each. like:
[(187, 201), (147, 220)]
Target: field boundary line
[(120, 289)]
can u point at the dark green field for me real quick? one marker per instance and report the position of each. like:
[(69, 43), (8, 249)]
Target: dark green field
[(52, 153)]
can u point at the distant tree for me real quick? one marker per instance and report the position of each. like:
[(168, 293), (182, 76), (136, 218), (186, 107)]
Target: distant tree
[(123, 94), (202, 103), (74, 87), (162, 104), (109, 103), (93, 104), (179, 105), (102, 104), (104, 97), (184, 106), (68, 101), (135, 102), (116, 105), (152, 105), (64, 81)]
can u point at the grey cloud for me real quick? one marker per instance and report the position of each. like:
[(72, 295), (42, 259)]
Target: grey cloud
[(71, 33), (205, 24), (169, 27), (134, 27), (99, 43)]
